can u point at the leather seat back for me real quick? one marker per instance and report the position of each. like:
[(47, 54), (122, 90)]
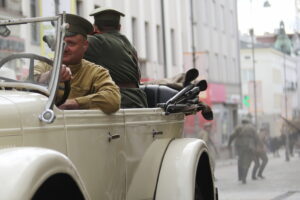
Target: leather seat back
[(157, 94)]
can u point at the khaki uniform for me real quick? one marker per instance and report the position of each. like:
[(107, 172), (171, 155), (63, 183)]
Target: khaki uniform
[(261, 155), (91, 86), (113, 51), (245, 142)]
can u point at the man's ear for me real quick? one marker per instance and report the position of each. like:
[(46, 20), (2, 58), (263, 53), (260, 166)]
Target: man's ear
[(96, 29), (85, 45)]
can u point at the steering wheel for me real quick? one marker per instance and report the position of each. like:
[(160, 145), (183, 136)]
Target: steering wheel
[(33, 57)]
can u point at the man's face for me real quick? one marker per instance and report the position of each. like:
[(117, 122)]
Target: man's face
[(75, 48)]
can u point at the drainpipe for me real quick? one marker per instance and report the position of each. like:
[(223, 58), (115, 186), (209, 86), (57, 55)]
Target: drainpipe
[(193, 36), (164, 38)]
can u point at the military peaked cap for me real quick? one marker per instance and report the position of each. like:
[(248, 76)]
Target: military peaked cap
[(107, 16), (105, 10), (78, 25)]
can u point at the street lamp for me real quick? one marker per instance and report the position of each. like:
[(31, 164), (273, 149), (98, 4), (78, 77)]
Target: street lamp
[(283, 44), (251, 32), (193, 34), (287, 139)]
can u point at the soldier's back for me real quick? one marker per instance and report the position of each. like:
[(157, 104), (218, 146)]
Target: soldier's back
[(248, 137)]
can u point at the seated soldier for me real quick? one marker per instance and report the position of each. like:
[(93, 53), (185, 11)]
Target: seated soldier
[(112, 50), (91, 84)]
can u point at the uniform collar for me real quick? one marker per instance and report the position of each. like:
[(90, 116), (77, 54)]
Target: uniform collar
[(75, 68)]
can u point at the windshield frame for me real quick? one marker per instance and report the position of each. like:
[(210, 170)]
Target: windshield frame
[(47, 115)]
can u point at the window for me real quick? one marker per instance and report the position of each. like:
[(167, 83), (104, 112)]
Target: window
[(222, 19), (276, 76), (147, 41), (213, 14), (56, 4), (235, 71), (226, 68), (79, 9), (231, 24), (223, 69), (3, 3), (173, 47), (205, 12), (34, 27), (159, 45), (247, 74), (134, 31), (218, 72), (277, 101)]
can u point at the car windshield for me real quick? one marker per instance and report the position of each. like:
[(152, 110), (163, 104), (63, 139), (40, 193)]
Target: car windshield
[(23, 47)]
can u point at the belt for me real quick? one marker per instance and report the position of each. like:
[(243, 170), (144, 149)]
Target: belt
[(127, 85)]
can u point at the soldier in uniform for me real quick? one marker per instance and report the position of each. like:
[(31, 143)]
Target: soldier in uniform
[(112, 50), (261, 155), (91, 85), (245, 143)]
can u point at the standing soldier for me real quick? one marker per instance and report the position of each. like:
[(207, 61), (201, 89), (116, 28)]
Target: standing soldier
[(112, 50), (245, 143)]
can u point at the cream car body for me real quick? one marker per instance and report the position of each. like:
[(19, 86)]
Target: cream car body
[(85, 154)]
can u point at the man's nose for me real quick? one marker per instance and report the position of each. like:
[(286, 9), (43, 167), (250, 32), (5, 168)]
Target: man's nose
[(66, 46)]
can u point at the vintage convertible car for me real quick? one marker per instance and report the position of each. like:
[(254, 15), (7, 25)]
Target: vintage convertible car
[(48, 153)]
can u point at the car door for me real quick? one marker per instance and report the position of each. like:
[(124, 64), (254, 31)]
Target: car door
[(142, 128), (95, 143)]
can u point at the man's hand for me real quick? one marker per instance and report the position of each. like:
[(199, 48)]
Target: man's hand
[(65, 74), (44, 78), (70, 104)]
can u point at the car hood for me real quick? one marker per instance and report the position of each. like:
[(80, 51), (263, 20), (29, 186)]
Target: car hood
[(19, 108)]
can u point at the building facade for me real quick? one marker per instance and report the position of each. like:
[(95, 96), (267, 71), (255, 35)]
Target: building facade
[(274, 98), (216, 54)]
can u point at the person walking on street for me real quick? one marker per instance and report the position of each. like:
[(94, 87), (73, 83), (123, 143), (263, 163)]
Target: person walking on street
[(261, 154), (255, 159), (112, 50), (245, 143)]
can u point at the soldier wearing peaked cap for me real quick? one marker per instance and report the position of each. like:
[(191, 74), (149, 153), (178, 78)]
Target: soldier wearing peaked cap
[(77, 25), (112, 50), (91, 85), (245, 137)]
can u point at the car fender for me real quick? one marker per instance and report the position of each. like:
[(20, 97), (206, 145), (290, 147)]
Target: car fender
[(144, 180), (24, 170), (186, 162)]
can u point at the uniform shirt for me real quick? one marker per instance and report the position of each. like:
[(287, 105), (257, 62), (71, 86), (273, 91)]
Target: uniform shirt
[(91, 86), (113, 51), (245, 137)]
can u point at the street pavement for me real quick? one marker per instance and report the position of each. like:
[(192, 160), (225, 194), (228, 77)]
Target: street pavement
[(282, 180)]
